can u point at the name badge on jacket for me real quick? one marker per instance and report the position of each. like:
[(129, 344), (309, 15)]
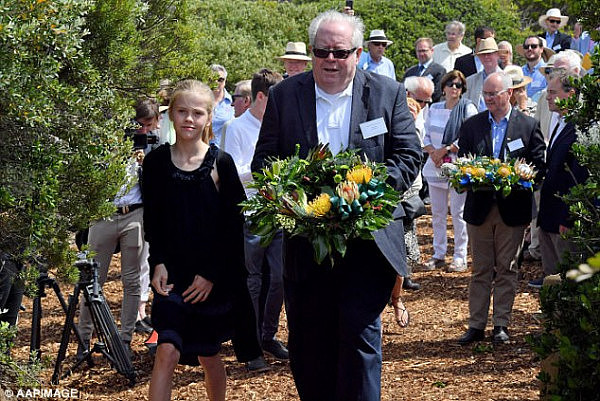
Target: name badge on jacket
[(373, 128), (515, 145)]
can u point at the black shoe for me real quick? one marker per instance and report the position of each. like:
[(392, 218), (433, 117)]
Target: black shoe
[(276, 348), (470, 336), (257, 365), (142, 327), (408, 284), (500, 335)]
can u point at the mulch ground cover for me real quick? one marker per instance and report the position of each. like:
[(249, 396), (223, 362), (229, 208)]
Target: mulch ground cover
[(420, 362)]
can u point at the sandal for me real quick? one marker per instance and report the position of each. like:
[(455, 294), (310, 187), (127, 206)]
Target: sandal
[(401, 314)]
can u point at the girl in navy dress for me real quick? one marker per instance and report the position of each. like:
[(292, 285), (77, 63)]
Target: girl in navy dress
[(194, 227)]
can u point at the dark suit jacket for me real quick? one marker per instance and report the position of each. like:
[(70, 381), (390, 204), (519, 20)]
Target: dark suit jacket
[(290, 119), (435, 71), (562, 41), (562, 173), (466, 64), (475, 138)]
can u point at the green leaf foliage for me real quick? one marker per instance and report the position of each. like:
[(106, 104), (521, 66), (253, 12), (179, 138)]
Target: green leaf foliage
[(571, 336)]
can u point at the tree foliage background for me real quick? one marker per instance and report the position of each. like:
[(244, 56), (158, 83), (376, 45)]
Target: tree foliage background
[(70, 71)]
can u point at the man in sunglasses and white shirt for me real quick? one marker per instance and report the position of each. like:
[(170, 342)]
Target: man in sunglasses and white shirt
[(334, 313), (374, 60)]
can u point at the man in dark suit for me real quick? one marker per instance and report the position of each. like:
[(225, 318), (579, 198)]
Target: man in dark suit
[(562, 173), (426, 67), (551, 22), (495, 223), (469, 64), (334, 313)]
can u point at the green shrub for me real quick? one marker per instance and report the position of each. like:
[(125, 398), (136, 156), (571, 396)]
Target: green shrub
[(570, 342)]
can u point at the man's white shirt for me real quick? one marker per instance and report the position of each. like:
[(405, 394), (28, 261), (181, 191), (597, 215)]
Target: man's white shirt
[(333, 118), (240, 141)]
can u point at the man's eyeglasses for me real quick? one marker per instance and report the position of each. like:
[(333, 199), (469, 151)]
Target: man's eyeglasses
[(553, 21), (338, 53), (532, 46), (382, 44), (457, 85), (549, 70), (492, 94), (234, 96)]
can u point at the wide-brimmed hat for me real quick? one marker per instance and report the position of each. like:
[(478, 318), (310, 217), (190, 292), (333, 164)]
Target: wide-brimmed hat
[(546, 53), (378, 35), (553, 13), (516, 74), (295, 51), (487, 45)]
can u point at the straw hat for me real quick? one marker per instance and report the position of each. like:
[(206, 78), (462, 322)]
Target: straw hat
[(553, 13), (546, 53), (487, 45), (378, 35), (516, 74), (295, 51)]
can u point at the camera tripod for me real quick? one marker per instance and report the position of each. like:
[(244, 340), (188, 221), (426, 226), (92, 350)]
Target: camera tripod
[(109, 341)]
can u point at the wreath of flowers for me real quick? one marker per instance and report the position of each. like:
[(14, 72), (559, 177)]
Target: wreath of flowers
[(486, 173), (327, 199)]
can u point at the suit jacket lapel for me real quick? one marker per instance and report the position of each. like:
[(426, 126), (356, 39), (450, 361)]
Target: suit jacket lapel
[(360, 108), (306, 96), (563, 135)]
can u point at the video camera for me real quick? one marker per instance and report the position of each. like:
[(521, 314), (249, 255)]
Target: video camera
[(141, 141)]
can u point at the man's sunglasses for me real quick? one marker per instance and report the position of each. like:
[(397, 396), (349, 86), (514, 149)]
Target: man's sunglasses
[(553, 21), (383, 44), (339, 53), (533, 46), (422, 102), (457, 85)]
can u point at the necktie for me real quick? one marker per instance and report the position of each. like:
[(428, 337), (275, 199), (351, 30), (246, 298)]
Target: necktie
[(420, 70)]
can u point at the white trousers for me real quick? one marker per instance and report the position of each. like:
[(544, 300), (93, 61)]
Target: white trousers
[(439, 215)]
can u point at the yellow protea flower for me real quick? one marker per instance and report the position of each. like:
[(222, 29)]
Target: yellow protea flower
[(319, 206), (479, 172), (495, 161), (360, 174), (504, 171)]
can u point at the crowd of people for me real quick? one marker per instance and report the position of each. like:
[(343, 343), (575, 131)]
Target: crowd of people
[(180, 231)]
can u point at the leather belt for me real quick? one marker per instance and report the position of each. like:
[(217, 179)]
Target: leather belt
[(129, 208)]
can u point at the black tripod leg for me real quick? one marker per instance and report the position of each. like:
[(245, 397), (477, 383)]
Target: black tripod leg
[(59, 295), (108, 333), (66, 333), (36, 324)]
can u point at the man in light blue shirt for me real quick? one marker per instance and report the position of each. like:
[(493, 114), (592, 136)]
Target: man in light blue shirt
[(222, 112), (532, 50), (374, 60)]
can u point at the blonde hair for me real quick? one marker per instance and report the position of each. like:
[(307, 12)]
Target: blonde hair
[(201, 89)]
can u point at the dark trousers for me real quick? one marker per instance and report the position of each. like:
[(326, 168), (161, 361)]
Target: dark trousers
[(11, 291), (334, 322)]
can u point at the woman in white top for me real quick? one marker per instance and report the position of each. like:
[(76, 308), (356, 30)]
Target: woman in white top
[(440, 142)]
